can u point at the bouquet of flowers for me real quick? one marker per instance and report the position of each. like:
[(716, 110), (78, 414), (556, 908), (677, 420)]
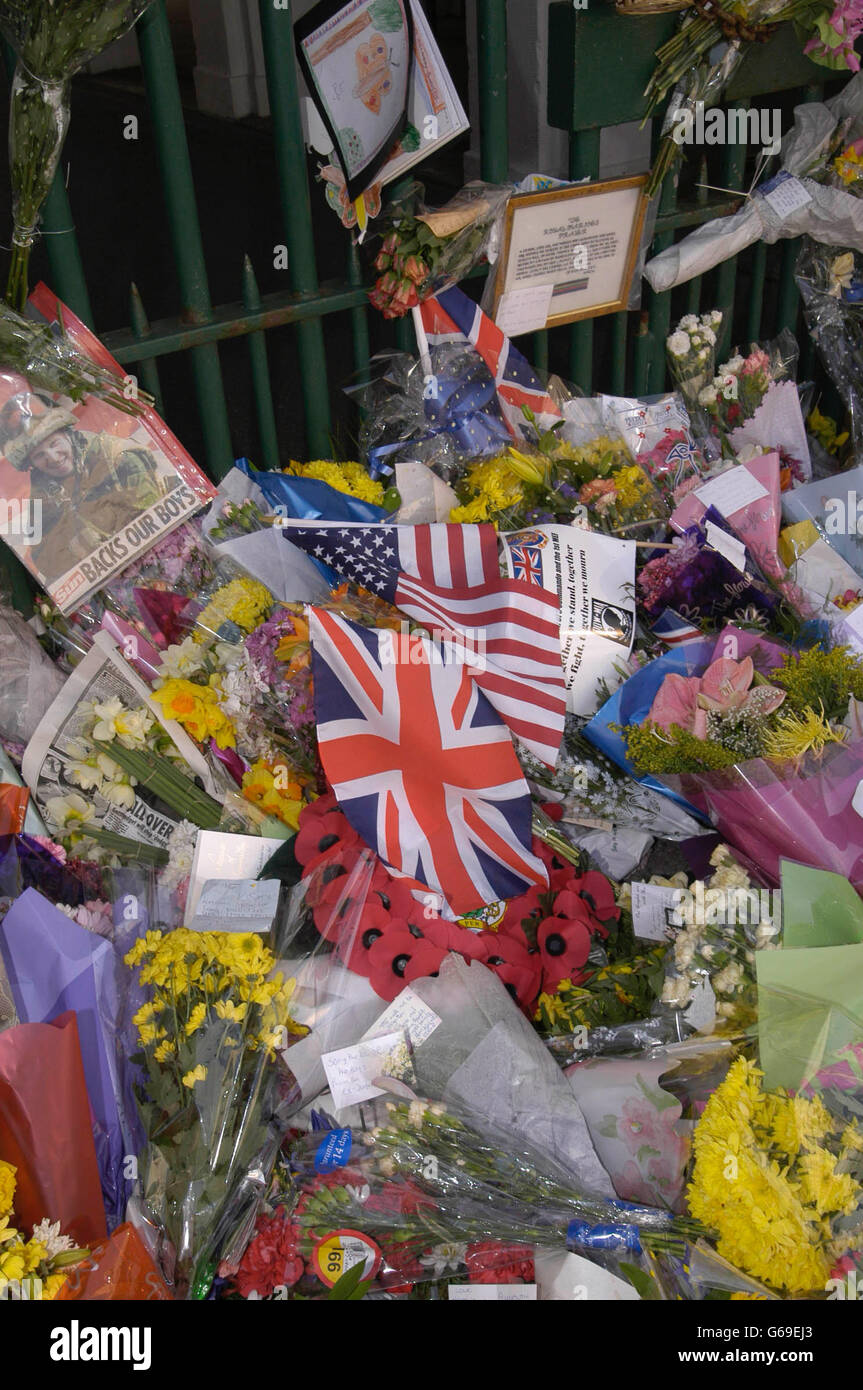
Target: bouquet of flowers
[(31, 1268), (790, 1205), (691, 349), (424, 1195), (52, 42), (424, 251), (773, 758), (208, 1036)]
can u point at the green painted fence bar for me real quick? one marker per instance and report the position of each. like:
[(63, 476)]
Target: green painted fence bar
[(267, 434), (64, 256), (147, 370), (278, 37), (493, 123), (160, 76), (359, 316)]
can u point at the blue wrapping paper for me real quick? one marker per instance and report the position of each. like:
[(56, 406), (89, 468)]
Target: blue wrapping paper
[(54, 966), (630, 704), (307, 499)]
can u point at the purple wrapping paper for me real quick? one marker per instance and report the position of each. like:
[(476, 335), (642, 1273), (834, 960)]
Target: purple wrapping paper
[(55, 966)]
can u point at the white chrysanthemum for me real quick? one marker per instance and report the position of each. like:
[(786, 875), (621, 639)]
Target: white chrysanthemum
[(679, 344), (48, 1234)]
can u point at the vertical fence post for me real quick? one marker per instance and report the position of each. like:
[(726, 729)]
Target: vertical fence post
[(493, 112), (147, 369), (260, 374), (163, 93), (278, 36)]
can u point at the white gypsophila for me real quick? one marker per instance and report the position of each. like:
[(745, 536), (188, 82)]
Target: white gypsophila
[(47, 1233), (679, 344), (707, 396), (181, 659)]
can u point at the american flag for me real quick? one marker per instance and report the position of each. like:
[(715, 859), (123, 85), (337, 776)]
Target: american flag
[(451, 317), (672, 629), (423, 768), (507, 631)]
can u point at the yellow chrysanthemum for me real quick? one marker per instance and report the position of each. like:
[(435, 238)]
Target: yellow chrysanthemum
[(350, 478), (198, 1073), (7, 1186), (196, 1018)]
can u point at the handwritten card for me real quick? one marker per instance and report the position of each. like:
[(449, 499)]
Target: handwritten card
[(410, 1014), (352, 1071), (242, 905), (731, 491), (524, 311)]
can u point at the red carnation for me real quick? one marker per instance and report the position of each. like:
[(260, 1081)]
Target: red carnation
[(494, 1262), (272, 1258)]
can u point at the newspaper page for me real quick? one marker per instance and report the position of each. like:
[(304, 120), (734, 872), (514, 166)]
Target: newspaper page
[(89, 486), (56, 746), (594, 575)]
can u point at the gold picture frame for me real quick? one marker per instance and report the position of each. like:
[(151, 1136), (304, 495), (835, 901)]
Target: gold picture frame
[(517, 270)]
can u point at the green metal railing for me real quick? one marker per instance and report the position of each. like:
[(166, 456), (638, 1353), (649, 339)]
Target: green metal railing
[(598, 66)]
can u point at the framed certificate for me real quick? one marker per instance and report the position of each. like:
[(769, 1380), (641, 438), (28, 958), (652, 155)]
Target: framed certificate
[(568, 254)]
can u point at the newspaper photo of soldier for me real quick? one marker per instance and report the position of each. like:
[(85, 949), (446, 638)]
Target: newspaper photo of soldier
[(89, 484)]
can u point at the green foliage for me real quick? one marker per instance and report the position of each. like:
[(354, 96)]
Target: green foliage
[(652, 749), (821, 679)]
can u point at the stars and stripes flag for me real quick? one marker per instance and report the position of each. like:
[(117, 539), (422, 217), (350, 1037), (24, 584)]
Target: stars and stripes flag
[(673, 629), (446, 577), (421, 764), (451, 317)]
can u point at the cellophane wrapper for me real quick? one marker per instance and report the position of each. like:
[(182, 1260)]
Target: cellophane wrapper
[(772, 810), (433, 1195)]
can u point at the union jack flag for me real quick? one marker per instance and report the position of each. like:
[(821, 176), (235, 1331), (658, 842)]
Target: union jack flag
[(526, 562), (506, 630), (451, 317), (423, 768)]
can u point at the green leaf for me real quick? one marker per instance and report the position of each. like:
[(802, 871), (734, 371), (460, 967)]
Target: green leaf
[(351, 1284), (643, 1284)]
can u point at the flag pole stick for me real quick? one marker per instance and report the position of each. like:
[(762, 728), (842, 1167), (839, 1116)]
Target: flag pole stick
[(422, 340)]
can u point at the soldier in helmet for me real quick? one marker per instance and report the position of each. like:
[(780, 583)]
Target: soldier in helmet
[(90, 484)]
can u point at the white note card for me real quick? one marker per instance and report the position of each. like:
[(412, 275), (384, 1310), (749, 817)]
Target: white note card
[(787, 196), (651, 904), (701, 1009), (731, 491), (352, 1071), (492, 1293), (222, 855), (410, 1014), (729, 546), (524, 311), (237, 904)]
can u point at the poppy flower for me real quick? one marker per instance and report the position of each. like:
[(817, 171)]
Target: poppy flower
[(519, 909), (356, 939), (451, 937), (595, 888), (397, 958), (518, 969), (564, 945), (339, 885), (319, 836)]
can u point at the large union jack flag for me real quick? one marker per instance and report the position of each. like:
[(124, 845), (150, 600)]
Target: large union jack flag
[(421, 764), (447, 578), (451, 317)]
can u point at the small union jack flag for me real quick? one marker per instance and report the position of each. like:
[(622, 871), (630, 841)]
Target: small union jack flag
[(526, 562), (451, 317), (421, 764)]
